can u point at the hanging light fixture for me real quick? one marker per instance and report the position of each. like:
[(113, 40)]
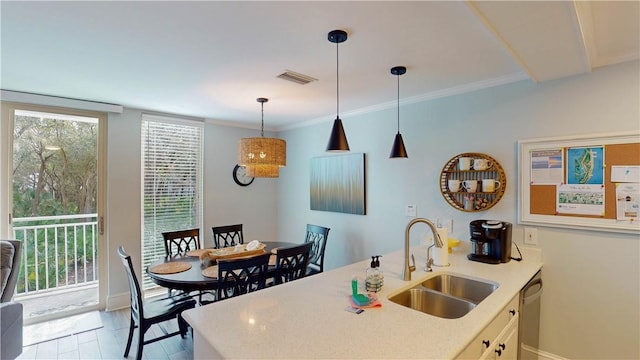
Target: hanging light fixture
[(262, 156), (337, 139), (398, 150)]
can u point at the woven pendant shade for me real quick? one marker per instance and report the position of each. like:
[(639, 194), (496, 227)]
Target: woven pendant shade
[(262, 156), (263, 171), (262, 151)]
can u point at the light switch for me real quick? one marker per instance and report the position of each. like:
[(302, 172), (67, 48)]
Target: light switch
[(411, 210), (530, 236)]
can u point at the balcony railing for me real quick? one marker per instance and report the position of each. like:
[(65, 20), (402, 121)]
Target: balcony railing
[(59, 253)]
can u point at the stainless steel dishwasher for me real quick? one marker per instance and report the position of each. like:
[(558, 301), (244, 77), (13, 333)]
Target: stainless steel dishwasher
[(529, 328)]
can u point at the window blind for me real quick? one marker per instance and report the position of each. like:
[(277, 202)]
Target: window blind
[(172, 182)]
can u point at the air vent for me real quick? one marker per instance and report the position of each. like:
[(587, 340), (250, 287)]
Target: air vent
[(296, 77)]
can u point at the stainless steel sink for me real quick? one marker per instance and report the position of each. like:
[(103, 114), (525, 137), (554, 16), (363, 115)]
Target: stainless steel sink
[(433, 303), (445, 295), (461, 287)]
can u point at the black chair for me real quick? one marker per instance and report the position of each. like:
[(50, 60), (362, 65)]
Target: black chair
[(291, 262), (228, 235), (178, 243), (242, 275), (145, 313), (318, 236), (181, 241)]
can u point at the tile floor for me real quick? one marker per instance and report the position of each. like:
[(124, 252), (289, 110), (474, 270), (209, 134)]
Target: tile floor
[(109, 341)]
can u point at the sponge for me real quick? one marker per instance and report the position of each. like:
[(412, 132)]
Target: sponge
[(360, 299)]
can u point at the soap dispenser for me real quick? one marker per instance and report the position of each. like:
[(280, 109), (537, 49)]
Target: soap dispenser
[(375, 277)]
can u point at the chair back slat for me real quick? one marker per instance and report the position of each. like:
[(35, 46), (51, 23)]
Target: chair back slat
[(318, 236), (181, 241), (291, 262), (241, 276), (227, 235)]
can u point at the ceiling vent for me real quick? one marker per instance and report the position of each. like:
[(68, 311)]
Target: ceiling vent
[(296, 77)]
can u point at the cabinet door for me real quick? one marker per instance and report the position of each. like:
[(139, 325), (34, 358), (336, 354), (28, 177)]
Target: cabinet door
[(483, 346), (507, 343)]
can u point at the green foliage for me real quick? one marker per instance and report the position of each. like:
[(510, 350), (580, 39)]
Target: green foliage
[(54, 166), (54, 173)]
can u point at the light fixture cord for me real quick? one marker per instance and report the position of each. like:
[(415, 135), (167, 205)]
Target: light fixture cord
[(262, 127), (398, 76), (337, 82)]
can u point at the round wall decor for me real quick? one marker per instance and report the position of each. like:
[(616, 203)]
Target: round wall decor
[(472, 182)]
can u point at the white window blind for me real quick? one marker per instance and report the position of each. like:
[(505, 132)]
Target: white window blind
[(172, 182)]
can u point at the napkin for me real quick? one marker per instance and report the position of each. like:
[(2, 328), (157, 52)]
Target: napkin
[(253, 245)]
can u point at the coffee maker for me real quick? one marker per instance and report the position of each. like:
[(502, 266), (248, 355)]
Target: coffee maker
[(490, 241)]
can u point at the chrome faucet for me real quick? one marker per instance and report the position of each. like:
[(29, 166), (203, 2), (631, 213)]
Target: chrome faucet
[(406, 272)]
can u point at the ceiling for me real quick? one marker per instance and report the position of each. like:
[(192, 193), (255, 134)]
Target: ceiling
[(212, 59)]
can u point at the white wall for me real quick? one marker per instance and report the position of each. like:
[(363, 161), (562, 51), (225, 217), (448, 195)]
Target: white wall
[(591, 301), (224, 201)]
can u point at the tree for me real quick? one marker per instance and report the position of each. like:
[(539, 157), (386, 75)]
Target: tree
[(55, 166)]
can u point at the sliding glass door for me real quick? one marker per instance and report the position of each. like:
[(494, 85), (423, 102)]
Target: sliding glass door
[(54, 207)]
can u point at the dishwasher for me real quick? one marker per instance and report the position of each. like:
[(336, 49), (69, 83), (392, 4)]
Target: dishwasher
[(529, 328)]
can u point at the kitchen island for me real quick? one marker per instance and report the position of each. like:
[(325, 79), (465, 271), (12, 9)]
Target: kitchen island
[(306, 319)]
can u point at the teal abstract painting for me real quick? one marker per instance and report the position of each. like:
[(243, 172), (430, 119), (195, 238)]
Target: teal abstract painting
[(337, 184)]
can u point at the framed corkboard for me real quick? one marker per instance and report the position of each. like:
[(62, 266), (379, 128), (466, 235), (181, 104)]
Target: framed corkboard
[(590, 181)]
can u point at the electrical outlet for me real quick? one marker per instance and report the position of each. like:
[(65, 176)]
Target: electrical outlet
[(530, 236)]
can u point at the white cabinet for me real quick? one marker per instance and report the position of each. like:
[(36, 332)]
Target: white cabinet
[(505, 346), (499, 339)]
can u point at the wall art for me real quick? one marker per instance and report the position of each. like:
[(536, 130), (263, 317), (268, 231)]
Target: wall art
[(337, 184)]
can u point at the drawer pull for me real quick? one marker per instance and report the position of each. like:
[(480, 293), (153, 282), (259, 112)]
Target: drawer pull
[(512, 312), (486, 343)]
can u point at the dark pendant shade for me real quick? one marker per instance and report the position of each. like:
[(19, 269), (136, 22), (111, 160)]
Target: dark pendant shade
[(398, 150), (338, 139)]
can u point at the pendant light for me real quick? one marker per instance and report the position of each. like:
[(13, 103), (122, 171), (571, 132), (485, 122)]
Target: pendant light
[(337, 139), (262, 156), (398, 150)]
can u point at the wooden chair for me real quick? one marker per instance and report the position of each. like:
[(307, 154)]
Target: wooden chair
[(178, 243), (181, 241), (291, 262), (242, 275), (145, 313), (228, 235), (318, 236)]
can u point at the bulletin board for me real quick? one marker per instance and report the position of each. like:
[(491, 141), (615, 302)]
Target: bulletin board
[(590, 181)]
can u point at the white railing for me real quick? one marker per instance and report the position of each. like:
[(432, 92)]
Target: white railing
[(58, 252)]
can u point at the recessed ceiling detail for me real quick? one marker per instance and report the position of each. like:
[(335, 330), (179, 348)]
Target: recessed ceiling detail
[(296, 77)]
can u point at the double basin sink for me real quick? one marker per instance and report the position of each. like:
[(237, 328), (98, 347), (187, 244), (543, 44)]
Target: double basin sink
[(445, 295)]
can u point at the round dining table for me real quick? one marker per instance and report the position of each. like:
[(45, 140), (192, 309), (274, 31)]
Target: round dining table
[(192, 279)]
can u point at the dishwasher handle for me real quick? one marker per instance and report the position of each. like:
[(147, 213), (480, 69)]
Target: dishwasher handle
[(529, 298)]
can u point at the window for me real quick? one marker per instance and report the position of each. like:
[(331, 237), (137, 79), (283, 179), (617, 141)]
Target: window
[(172, 182)]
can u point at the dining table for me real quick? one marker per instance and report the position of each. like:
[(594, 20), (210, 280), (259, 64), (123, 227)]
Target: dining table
[(185, 272)]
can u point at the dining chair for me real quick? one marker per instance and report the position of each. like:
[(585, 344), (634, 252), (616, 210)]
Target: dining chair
[(227, 235), (145, 313), (242, 275), (318, 236), (181, 241), (291, 262)]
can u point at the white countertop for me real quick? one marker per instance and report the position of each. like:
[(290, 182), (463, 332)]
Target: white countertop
[(306, 319)]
